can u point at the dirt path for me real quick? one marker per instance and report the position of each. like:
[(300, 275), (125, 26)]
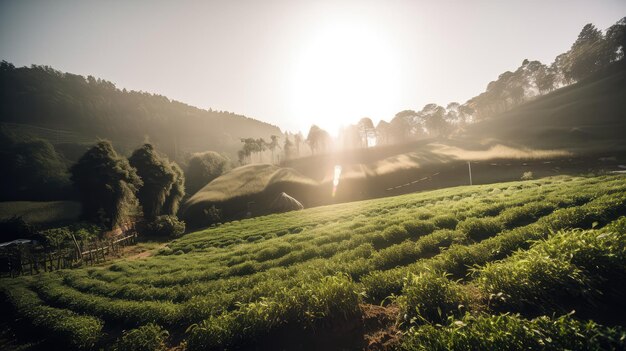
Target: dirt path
[(139, 251)]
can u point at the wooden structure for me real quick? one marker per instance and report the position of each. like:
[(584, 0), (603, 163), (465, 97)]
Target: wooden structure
[(28, 257)]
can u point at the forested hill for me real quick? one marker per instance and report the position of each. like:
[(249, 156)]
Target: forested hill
[(70, 110), (585, 117)]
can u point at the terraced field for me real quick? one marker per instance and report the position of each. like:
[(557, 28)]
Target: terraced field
[(483, 267)]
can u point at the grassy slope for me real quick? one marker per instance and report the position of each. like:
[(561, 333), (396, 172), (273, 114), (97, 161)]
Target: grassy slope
[(258, 183), (569, 131), (36, 212), (586, 117), (250, 283)]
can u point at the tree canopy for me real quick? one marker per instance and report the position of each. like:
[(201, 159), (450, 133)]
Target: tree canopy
[(158, 178), (203, 168), (106, 184)]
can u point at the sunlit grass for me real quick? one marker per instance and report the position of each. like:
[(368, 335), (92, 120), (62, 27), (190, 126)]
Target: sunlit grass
[(239, 281)]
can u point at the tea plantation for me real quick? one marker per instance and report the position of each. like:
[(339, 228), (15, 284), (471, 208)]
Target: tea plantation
[(537, 264)]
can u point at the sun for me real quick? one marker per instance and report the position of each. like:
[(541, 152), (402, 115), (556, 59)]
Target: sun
[(345, 72)]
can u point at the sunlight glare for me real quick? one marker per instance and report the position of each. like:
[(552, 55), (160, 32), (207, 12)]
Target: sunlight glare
[(347, 71), (336, 176)]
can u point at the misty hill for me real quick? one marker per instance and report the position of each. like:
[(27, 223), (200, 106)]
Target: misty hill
[(586, 117), (251, 188), (69, 109)]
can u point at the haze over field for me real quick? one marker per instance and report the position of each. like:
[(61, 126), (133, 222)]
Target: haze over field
[(312, 175), (295, 63)]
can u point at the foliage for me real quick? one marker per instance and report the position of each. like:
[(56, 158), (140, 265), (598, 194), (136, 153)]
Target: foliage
[(80, 109), (31, 169), (177, 192), (149, 337), (158, 178), (165, 226), (513, 332), (203, 168), (106, 184), (430, 298), (568, 265), (245, 281), (479, 228)]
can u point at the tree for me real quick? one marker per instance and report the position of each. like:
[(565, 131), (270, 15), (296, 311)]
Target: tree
[(157, 176), (546, 79), (403, 125), (298, 139), (616, 41), (586, 55), (383, 132), (261, 147), (272, 145), (31, 169), (317, 139), (204, 167), (434, 121), (177, 192), (106, 184), (366, 131), (288, 148)]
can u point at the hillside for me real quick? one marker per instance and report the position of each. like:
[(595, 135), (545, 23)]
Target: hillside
[(250, 188), (482, 267), (70, 110), (571, 130), (588, 117)]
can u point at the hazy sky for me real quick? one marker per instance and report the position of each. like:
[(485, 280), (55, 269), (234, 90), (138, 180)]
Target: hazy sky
[(293, 63)]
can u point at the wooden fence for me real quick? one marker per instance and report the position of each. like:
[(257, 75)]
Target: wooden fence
[(31, 259)]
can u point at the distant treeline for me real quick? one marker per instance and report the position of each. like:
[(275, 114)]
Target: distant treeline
[(66, 104), (592, 52)]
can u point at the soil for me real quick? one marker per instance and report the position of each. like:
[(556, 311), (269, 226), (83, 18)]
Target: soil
[(380, 330)]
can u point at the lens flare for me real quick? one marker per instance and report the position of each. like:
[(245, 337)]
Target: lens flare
[(336, 179)]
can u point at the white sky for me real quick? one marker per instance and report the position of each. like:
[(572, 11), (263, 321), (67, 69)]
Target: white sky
[(293, 63)]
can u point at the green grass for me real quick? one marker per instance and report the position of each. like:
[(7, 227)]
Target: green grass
[(465, 254), (256, 183), (35, 212)]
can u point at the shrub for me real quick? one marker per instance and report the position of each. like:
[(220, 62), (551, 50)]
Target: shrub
[(203, 168), (213, 215), (166, 226), (418, 228), (149, 337), (395, 234), (479, 228), (517, 216), (512, 332), (430, 298), (445, 222)]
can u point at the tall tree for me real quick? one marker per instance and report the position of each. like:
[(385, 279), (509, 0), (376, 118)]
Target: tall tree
[(318, 139), (404, 125), (366, 130), (158, 177), (297, 140), (106, 183), (177, 192), (383, 132), (272, 145), (289, 148), (586, 54), (616, 40)]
